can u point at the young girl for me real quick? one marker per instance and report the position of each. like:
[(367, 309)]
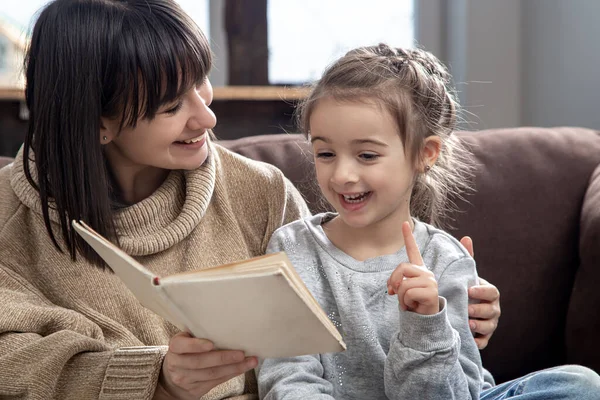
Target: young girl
[(380, 122)]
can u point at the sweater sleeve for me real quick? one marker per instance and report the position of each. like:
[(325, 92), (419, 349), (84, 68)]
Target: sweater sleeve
[(287, 206), (47, 351), (435, 356)]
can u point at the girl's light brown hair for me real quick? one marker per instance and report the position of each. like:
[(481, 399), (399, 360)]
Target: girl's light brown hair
[(415, 88)]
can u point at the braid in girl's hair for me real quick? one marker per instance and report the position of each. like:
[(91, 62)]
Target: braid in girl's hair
[(415, 87)]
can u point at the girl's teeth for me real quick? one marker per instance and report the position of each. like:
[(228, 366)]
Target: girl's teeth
[(355, 198)]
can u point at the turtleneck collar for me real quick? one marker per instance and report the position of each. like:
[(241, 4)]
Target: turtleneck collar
[(156, 223)]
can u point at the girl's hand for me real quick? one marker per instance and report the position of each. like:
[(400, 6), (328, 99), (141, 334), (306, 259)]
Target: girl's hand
[(414, 284), (192, 367), (485, 315)]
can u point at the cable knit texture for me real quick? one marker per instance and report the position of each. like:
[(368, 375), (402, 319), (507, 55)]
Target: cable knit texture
[(71, 330)]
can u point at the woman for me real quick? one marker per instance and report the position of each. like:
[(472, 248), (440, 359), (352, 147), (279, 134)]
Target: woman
[(120, 137)]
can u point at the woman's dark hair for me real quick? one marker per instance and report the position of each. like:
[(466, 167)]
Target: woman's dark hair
[(89, 59)]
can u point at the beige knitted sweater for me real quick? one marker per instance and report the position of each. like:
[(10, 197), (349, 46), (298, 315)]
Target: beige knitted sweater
[(72, 330)]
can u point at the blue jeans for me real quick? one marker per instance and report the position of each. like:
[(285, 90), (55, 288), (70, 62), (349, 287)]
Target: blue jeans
[(566, 382)]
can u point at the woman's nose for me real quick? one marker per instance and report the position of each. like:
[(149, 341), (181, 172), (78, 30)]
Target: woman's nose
[(202, 117)]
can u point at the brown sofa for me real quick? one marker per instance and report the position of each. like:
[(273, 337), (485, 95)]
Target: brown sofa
[(535, 221)]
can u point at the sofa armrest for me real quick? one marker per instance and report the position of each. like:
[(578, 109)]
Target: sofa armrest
[(583, 323)]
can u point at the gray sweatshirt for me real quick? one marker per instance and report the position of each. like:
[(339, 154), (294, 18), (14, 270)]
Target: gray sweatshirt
[(390, 353)]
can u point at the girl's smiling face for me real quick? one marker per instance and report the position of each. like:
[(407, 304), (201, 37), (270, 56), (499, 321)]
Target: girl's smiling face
[(361, 165)]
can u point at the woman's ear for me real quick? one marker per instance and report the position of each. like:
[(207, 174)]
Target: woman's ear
[(430, 152), (106, 133)]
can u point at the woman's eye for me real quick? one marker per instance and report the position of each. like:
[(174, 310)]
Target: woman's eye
[(369, 156), (325, 154), (173, 110)]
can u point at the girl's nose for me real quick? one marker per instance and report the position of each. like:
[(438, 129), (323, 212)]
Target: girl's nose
[(344, 173)]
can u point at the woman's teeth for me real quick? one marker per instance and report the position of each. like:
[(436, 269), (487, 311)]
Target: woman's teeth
[(355, 198), (194, 140)]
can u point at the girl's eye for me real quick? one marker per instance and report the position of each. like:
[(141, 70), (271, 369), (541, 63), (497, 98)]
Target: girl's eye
[(325, 154), (369, 156), (173, 110)]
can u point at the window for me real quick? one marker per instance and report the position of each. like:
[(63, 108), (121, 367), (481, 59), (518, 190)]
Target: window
[(304, 36), (27, 9), (198, 10), (3, 54)]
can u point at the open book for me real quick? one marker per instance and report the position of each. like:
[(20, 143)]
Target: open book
[(260, 305)]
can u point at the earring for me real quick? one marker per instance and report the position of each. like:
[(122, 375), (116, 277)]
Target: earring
[(105, 138), (427, 168)]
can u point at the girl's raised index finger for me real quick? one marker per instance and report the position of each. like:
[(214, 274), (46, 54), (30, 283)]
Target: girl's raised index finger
[(412, 250)]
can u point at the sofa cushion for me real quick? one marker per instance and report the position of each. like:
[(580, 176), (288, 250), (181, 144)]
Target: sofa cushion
[(525, 221), (290, 153)]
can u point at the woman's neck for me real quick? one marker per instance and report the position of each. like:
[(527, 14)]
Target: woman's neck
[(134, 183), (381, 238)]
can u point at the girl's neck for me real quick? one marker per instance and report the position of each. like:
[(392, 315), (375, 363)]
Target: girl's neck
[(361, 243)]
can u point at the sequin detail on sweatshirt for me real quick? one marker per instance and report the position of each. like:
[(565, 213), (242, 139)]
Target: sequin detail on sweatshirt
[(318, 270), (290, 246), (333, 317), (340, 369), (368, 334), (351, 283)]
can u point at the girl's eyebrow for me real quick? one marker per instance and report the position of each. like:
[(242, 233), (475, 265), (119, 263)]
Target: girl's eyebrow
[(321, 138), (355, 141), (370, 141)]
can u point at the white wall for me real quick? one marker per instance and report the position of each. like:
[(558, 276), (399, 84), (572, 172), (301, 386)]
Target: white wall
[(520, 62), (218, 42), (482, 47), (561, 58), (515, 62)]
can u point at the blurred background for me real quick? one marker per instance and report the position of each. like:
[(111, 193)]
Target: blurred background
[(514, 62)]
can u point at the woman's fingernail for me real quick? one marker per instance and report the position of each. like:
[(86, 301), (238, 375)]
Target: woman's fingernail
[(472, 325)]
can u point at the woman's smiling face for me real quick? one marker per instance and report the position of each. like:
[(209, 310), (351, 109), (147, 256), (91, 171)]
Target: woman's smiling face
[(176, 138)]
